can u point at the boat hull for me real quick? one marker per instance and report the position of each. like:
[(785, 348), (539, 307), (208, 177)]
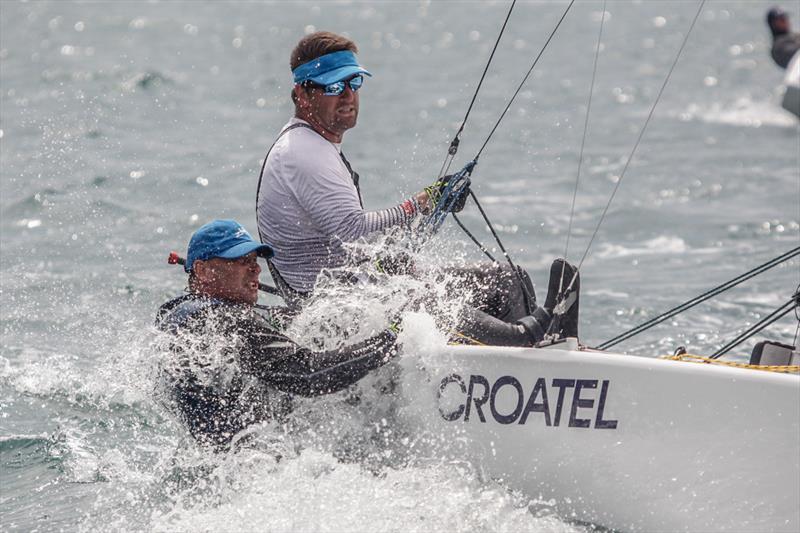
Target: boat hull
[(630, 443), (791, 98)]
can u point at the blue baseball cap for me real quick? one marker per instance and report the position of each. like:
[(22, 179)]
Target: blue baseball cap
[(330, 68), (223, 238)]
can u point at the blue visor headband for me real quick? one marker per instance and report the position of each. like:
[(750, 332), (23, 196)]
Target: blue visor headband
[(330, 68)]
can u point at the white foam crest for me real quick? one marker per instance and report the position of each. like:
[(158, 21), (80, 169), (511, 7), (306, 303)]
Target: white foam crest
[(316, 492), (742, 112), (663, 244)]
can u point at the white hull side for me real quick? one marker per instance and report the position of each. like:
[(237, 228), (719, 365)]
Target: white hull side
[(791, 98), (695, 448)]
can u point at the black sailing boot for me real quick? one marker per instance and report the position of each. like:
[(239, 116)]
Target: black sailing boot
[(563, 297), (536, 324)]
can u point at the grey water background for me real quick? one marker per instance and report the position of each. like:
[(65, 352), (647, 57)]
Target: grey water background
[(126, 125)]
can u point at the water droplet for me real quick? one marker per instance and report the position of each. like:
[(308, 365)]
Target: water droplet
[(79, 26), (659, 22), (202, 181), (309, 29)]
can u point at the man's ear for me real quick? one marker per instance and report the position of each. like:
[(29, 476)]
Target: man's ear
[(201, 270), (300, 96)]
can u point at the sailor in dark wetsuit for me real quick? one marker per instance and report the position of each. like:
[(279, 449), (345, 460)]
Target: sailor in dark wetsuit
[(256, 369), (785, 44)]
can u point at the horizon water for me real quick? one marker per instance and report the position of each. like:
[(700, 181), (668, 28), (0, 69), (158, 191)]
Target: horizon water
[(125, 126)]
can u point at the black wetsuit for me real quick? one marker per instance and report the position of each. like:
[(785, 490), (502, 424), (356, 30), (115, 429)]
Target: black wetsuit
[(784, 47), (260, 368)]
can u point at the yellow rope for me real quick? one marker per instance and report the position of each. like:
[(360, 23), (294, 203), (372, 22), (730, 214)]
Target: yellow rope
[(470, 339), (686, 357)]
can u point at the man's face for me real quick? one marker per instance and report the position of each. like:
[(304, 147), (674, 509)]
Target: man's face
[(234, 280), (336, 114)]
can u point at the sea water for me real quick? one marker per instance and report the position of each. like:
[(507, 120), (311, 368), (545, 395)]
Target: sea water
[(124, 126)]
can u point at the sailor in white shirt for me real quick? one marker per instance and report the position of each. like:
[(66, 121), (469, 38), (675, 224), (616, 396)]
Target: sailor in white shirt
[(309, 203)]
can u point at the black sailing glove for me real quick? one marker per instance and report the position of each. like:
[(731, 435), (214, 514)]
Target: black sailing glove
[(458, 194)]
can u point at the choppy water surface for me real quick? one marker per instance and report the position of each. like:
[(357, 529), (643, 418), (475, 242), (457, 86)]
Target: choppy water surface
[(124, 126)]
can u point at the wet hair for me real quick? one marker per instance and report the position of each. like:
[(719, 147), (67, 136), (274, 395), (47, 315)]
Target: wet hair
[(318, 44)]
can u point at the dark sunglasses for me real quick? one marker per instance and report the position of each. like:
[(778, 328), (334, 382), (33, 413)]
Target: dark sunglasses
[(337, 88)]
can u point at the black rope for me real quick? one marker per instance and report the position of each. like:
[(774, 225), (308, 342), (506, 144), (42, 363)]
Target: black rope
[(491, 133), (522, 83), (701, 298), (474, 239), (451, 152), (514, 268), (776, 315)]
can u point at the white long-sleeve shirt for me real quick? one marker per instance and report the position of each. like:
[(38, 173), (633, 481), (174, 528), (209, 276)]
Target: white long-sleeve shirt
[(308, 206)]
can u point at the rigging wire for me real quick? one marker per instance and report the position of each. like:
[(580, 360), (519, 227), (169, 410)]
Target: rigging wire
[(522, 83), (639, 138), (583, 144), (701, 298), (784, 309), (451, 152)]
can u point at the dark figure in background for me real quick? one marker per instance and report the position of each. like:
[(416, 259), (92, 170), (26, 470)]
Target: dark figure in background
[(261, 368), (785, 44)]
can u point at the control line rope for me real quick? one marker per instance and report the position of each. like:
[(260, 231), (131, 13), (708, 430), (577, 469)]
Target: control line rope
[(451, 152), (522, 83)]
